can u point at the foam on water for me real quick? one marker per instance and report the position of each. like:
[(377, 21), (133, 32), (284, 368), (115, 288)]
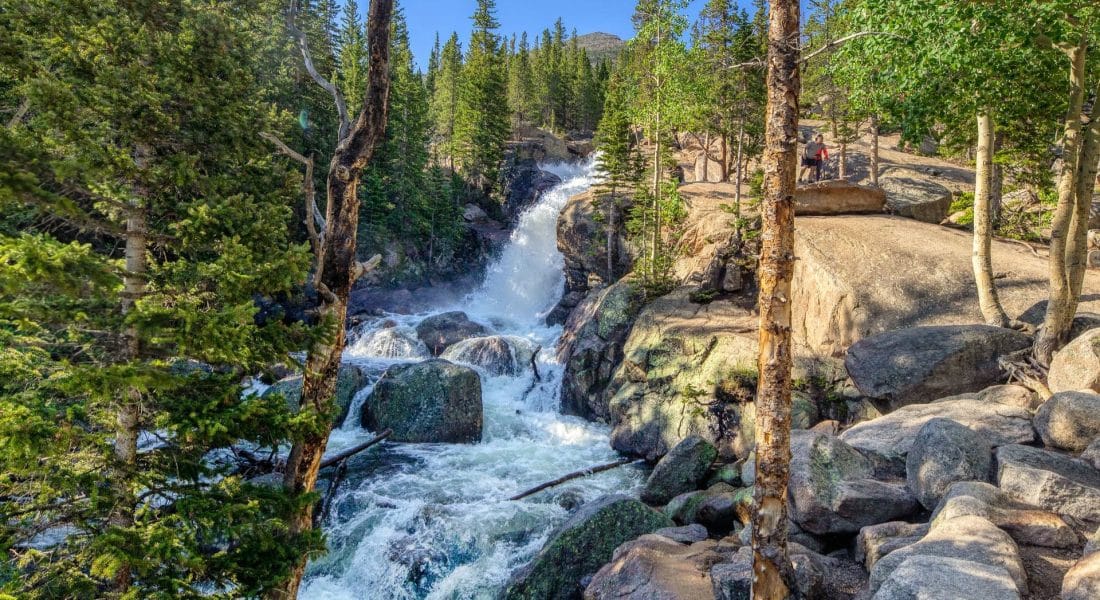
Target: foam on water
[(433, 520)]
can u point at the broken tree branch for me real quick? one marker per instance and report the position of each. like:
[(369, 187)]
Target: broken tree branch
[(346, 454), (808, 56), (307, 58), (20, 112), (622, 462), (362, 268), (314, 221)]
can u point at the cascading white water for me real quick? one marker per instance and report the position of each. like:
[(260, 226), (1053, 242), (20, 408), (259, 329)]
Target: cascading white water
[(433, 520)]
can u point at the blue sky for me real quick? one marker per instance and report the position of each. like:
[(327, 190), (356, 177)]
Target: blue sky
[(426, 17)]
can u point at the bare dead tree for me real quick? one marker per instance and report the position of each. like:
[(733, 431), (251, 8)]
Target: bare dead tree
[(773, 575), (337, 267)]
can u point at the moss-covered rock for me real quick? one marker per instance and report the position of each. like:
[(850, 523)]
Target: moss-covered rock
[(681, 470), (592, 346), (430, 402), (683, 373), (580, 546), (349, 382)]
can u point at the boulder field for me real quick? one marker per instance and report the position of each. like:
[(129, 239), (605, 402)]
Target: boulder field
[(917, 470)]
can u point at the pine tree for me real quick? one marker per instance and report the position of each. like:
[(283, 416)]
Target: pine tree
[(482, 123), (618, 169), (351, 59), (521, 85), (444, 106), (136, 231), (433, 67)]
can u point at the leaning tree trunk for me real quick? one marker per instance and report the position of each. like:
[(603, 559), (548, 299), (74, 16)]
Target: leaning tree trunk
[(981, 257), (339, 269), (1061, 305), (1077, 248), (773, 577)]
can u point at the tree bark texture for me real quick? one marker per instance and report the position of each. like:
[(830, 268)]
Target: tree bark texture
[(337, 275), (1061, 305), (772, 572), (981, 257)]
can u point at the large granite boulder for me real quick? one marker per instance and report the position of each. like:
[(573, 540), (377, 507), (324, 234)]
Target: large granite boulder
[(893, 435), (860, 275), (943, 453), (817, 577), (943, 578), (915, 195), (592, 346), (439, 332), (838, 198), (524, 183), (1069, 420), (655, 568), (681, 470), (1056, 482), (921, 364), (1077, 366), (583, 243), (1027, 524), (497, 354), (685, 371), (876, 541), (1082, 581), (581, 546), (835, 489), (349, 381), (430, 402), (966, 538)]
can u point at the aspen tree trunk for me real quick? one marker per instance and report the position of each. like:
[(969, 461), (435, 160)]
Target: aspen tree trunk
[(338, 272), (773, 577), (1061, 305), (740, 169), (725, 159), (874, 150), (128, 422), (1077, 252), (981, 257), (706, 158)]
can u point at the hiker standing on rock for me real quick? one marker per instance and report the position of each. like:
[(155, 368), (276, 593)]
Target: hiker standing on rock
[(813, 157)]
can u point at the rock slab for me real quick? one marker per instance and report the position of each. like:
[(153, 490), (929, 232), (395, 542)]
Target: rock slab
[(893, 435), (1053, 481), (921, 364), (835, 489)]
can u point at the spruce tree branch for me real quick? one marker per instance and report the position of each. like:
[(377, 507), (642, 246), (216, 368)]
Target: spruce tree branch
[(303, 45)]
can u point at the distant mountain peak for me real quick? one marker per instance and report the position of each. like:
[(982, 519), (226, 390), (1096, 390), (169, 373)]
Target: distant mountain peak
[(600, 45)]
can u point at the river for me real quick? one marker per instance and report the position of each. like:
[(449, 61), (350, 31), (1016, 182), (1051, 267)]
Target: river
[(432, 521)]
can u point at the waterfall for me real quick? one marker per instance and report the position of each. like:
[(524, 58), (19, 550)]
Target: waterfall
[(431, 521)]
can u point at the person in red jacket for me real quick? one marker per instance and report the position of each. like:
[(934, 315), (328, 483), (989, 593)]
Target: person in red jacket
[(813, 157)]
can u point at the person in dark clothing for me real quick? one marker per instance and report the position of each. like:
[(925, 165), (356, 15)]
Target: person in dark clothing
[(813, 157)]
